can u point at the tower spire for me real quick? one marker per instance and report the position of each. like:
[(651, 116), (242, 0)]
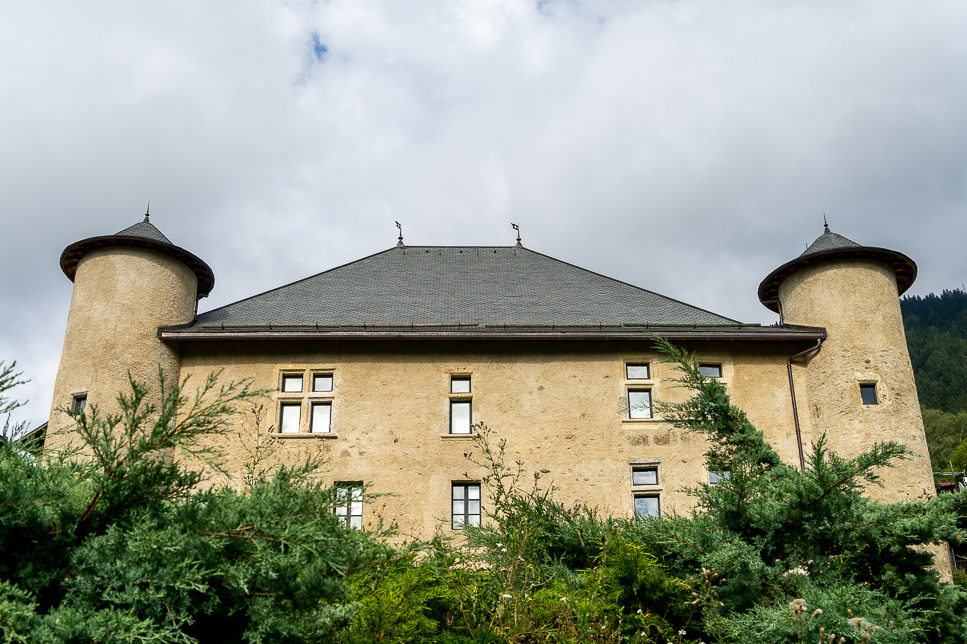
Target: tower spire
[(825, 223), (147, 214)]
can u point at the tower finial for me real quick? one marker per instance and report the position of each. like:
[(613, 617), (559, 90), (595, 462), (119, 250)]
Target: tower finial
[(399, 244), (517, 228), (825, 223), (147, 213)]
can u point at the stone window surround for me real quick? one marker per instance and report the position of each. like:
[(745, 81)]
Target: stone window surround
[(458, 397), (305, 399)]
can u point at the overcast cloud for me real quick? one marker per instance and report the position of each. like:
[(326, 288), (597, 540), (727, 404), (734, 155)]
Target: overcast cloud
[(687, 147)]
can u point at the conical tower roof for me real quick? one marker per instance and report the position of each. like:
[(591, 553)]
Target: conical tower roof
[(831, 246), (143, 234)]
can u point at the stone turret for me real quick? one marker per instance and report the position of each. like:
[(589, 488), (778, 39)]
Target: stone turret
[(126, 285), (859, 385)]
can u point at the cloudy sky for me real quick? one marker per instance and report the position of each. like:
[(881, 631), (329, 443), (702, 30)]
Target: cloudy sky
[(689, 147)]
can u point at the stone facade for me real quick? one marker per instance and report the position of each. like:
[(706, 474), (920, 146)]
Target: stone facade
[(558, 393)]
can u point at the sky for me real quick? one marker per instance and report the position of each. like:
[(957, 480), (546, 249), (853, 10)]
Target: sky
[(688, 147)]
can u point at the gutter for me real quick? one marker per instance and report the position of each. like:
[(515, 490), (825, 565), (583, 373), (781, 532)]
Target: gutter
[(792, 395)]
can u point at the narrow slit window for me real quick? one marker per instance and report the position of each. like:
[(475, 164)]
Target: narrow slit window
[(639, 403), (290, 419), (321, 420), (868, 394), (79, 403)]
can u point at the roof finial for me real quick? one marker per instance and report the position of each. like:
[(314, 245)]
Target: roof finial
[(825, 224), (147, 213), (517, 228), (399, 244)]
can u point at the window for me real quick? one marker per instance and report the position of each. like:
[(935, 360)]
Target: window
[(710, 370), (638, 371), (465, 502), (644, 475), (639, 403), (717, 476), (79, 403), (292, 383), (290, 418), (349, 504), (461, 417), (305, 403), (321, 419), (647, 505), (868, 394)]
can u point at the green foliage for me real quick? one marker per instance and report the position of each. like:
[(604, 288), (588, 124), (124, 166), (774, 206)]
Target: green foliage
[(936, 330), (945, 433)]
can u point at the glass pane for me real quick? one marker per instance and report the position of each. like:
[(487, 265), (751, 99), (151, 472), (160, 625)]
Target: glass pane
[(356, 508), (460, 417), (459, 385), (321, 417), (646, 506), (868, 394), (80, 404), (473, 507), (639, 404), (638, 372), (356, 522), (715, 477), (473, 491), (322, 382), (292, 384), (458, 491), (457, 522), (356, 493), (710, 370), (644, 476), (458, 507), (473, 520), (291, 416)]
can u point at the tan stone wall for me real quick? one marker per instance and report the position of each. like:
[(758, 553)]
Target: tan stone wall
[(858, 304), (120, 298), (561, 407)]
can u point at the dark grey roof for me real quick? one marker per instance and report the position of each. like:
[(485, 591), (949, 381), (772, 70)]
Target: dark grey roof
[(829, 241), (452, 286), (146, 230)]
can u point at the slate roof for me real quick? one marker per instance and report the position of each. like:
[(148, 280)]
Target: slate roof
[(145, 235), (450, 289), (830, 246)]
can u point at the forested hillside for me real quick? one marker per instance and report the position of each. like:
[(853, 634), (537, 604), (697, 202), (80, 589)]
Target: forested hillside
[(936, 328)]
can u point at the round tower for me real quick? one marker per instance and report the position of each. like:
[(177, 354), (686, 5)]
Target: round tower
[(126, 285), (859, 385)]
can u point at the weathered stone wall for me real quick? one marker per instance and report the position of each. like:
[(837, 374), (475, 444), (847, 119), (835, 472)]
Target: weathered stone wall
[(562, 407), (120, 298), (857, 302)]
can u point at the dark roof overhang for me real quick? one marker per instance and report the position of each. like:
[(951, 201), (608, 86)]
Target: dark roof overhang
[(73, 254), (750, 333), (904, 267)]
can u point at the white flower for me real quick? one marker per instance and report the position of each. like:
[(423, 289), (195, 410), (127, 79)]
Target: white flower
[(639, 611), (681, 632), (499, 544), (563, 599), (505, 596), (503, 549)]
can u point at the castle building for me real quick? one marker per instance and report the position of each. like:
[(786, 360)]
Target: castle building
[(387, 366)]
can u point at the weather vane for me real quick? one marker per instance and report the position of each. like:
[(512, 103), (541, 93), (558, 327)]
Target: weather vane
[(147, 212), (517, 228), (825, 223), (400, 242)]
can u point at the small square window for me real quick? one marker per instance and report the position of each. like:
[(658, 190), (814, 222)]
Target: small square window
[(639, 403), (79, 403), (638, 371), (465, 505), (321, 419), (322, 382), (868, 394), (460, 385), (718, 476), (644, 475), (290, 419), (349, 504), (292, 384), (460, 413), (710, 370), (647, 506)]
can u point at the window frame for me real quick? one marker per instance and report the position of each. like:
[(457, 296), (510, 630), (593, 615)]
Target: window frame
[(635, 409), (458, 400), (307, 400), (79, 403), (630, 365), (871, 388), (343, 508), (466, 515), (321, 374), (711, 365), (647, 495), (313, 404), (636, 469)]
